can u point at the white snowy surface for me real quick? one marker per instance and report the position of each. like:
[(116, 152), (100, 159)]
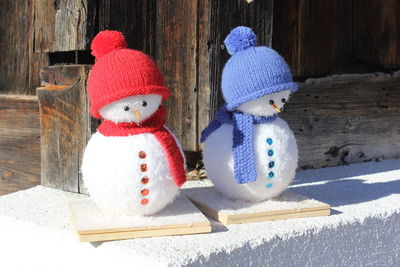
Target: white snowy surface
[(180, 212), (363, 230), (288, 200)]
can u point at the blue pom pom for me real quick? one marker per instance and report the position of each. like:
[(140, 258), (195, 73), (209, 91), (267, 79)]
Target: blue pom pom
[(240, 39)]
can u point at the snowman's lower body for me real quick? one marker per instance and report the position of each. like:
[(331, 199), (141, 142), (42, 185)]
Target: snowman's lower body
[(219, 163), (128, 175)]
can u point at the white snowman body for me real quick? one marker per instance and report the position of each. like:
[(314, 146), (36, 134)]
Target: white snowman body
[(129, 174), (275, 153), (121, 173)]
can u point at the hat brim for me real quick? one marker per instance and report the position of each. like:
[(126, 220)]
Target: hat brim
[(292, 86), (160, 90)]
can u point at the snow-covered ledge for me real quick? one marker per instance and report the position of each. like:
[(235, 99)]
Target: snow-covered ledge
[(364, 229)]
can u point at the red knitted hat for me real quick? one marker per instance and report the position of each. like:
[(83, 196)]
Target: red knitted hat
[(120, 72)]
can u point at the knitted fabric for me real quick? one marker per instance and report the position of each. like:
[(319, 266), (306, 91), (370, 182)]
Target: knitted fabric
[(120, 72), (252, 72), (243, 150), (154, 125)]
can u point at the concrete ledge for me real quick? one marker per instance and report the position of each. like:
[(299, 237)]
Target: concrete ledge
[(363, 230)]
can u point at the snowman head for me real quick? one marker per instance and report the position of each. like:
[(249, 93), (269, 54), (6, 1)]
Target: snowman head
[(267, 105), (253, 75), (122, 79), (135, 108)]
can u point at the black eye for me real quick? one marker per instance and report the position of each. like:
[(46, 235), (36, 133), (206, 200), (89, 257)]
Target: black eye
[(283, 100), (126, 108), (144, 103), (271, 102)]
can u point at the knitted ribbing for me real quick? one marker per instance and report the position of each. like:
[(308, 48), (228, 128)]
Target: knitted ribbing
[(252, 72), (242, 145), (120, 72)]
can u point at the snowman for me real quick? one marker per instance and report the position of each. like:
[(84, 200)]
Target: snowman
[(249, 152), (133, 164)]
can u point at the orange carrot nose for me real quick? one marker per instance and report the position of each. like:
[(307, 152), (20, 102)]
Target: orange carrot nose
[(276, 107), (137, 114)]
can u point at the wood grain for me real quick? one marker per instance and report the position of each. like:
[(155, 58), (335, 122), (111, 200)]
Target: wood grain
[(376, 33), (136, 19), (63, 25), (65, 126), (314, 36), (212, 204), (190, 230), (19, 66), (19, 143), (346, 119), (176, 44), (93, 224)]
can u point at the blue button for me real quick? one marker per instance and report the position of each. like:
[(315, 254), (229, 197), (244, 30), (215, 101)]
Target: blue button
[(268, 185), (271, 174), (269, 141), (270, 152), (271, 164)]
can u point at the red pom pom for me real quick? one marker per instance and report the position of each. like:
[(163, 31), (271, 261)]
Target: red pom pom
[(107, 41)]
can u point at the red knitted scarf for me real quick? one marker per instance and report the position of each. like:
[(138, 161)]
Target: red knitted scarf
[(155, 125)]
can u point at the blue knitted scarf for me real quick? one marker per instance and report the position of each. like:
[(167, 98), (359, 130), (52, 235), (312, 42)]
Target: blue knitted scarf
[(243, 150)]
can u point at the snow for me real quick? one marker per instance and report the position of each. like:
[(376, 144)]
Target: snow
[(363, 230)]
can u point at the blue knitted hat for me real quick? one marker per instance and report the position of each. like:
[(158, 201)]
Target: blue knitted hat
[(252, 71)]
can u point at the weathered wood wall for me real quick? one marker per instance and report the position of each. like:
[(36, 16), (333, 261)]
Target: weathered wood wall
[(19, 143), (19, 65), (346, 118), (65, 125), (320, 38), (332, 117), (63, 25)]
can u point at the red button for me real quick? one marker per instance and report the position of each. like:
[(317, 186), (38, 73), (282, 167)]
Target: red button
[(142, 154), (145, 180), (143, 167), (144, 201), (145, 192)]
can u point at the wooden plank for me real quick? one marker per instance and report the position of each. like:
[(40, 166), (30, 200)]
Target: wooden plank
[(376, 37), (63, 25), (179, 218), (136, 19), (19, 66), (289, 205), (19, 143), (176, 33), (346, 119), (142, 234), (203, 78), (315, 37), (223, 17), (65, 125)]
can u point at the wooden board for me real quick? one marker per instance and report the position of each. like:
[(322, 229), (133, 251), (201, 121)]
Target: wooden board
[(346, 119), (179, 218), (176, 45), (318, 38), (376, 39), (19, 65), (63, 25), (315, 37), (136, 19), (65, 126), (19, 143), (288, 205)]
